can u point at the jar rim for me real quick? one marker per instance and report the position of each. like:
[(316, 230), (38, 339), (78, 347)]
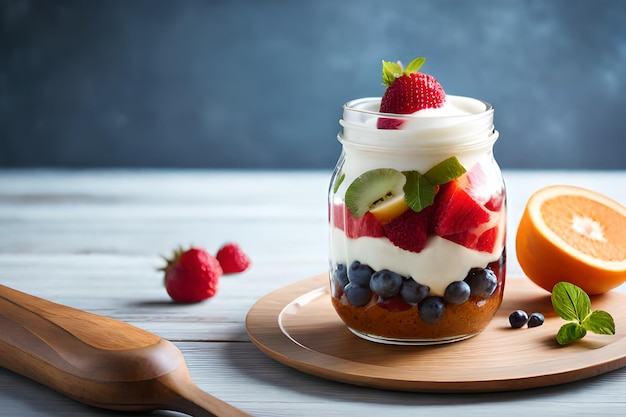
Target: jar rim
[(362, 105), (470, 125)]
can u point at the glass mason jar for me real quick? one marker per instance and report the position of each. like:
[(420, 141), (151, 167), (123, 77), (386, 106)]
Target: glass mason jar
[(417, 218)]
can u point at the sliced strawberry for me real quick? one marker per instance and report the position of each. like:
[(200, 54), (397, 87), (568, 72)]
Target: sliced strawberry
[(495, 202), (484, 243), (487, 241), (409, 231), (456, 212), (355, 228)]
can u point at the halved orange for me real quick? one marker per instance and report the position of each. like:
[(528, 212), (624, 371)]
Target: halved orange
[(575, 235)]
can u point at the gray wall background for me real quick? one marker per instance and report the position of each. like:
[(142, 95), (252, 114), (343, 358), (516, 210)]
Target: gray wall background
[(260, 83)]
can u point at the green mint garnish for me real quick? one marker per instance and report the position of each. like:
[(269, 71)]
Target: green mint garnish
[(572, 303), (418, 191), (445, 171), (342, 177)]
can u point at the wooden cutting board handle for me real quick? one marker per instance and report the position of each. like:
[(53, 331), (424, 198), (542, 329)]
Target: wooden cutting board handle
[(97, 360)]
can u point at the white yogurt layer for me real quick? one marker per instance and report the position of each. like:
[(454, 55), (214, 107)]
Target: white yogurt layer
[(439, 264)]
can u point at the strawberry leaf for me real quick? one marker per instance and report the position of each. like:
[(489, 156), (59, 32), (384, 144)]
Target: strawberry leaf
[(418, 191), (391, 71), (414, 65)]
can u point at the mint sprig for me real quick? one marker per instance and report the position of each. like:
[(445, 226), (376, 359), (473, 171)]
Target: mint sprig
[(572, 303), (420, 189), (419, 193)]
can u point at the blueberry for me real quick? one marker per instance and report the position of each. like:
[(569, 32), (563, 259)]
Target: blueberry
[(518, 319), (431, 309), (357, 295), (386, 283), (340, 275), (413, 292), (360, 274), (535, 319), (482, 281), (457, 292)]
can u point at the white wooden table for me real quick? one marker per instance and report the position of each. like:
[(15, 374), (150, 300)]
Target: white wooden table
[(93, 240)]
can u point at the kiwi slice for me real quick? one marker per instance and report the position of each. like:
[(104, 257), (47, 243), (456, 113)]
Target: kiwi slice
[(372, 188)]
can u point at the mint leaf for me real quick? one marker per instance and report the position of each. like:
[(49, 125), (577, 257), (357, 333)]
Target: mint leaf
[(418, 191), (570, 302), (570, 332), (445, 171), (599, 322)]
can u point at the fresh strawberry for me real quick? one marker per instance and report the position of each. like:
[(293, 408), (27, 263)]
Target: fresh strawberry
[(232, 259), (408, 91), (456, 211), (355, 228), (409, 231), (191, 275)]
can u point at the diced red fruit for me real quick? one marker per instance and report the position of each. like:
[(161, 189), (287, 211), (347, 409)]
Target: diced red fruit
[(484, 243), (393, 304), (355, 228), (409, 231), (495, 202), (487, 241), (232, 259), (456, 212)]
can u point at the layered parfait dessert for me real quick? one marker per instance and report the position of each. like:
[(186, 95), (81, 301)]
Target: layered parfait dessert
[(417, 214)]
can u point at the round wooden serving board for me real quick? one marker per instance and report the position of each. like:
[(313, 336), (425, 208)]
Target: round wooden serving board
[(297, 326)]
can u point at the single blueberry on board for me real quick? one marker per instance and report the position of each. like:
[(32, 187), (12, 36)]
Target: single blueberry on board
[(518, 319), (535, 320)]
